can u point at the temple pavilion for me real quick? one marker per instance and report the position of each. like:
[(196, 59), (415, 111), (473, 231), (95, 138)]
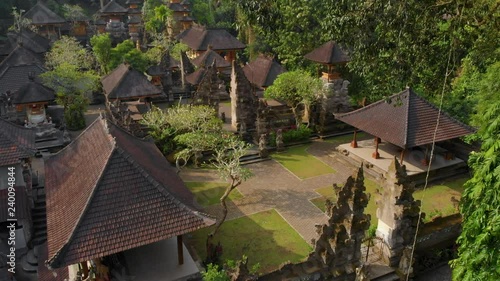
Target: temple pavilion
[(403, 126), (46, 21), (330, 55), (116, 204)]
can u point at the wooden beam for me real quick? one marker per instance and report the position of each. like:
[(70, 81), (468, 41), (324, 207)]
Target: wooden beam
[(375, 154), (354, 142), (180, 251), (402, 157)]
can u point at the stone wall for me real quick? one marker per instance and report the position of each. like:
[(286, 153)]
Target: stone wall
[(244, 102), (397, 213)]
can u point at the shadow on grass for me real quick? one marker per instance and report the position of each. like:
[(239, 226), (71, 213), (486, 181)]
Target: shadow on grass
[(209, 193), (265, 238), (301, 163)]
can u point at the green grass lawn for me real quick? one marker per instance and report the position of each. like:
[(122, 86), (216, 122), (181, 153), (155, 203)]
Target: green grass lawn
[(328, 193), (265, 238), (209, 193), (298, 161), (437, 200)]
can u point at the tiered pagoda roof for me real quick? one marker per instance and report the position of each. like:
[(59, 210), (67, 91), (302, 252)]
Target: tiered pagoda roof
[(109, 192), (124, 82), (406, 120), (263, 71)]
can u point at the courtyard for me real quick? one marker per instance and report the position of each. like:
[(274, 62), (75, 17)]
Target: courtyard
[(284, 199)]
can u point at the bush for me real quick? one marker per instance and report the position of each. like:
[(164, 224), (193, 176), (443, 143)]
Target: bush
[(214, 273), (302, 133)]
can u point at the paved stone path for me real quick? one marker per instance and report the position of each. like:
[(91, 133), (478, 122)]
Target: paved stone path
[(274, 187)]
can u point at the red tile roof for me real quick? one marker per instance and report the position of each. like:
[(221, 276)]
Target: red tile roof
[(199, 38), (263, 71), (16, 143), (208, 58), (108, 192), (406, 120), (328, 53), (45, 274), (124, 82)]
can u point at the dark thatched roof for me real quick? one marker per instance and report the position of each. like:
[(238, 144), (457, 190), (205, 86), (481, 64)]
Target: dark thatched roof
[(28, 39), (41, 15), (328, 53), (406, 120), (16, 68), (113, 8), (199, 38), (127, 83), (263, 71), (33, 92), (208, 58)]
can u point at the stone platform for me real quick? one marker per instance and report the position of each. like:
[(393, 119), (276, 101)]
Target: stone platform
[(413, 159)]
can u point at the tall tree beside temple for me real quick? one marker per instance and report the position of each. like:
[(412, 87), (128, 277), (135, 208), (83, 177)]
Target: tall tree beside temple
[(398, 43), (479, 250)]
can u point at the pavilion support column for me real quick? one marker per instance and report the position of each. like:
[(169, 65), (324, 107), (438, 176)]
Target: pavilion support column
[(375, 154), (180, 251), (425, 162), (402, 157), (354, 142)]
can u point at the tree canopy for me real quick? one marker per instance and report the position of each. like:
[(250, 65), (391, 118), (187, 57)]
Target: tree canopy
[(68, 50), (295, 88), (479, 250)]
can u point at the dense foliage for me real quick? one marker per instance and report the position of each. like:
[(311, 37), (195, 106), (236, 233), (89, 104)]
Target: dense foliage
[(74, 88), (479, 250), (295, 88), (301, 133), (109, 58), (68, 50)]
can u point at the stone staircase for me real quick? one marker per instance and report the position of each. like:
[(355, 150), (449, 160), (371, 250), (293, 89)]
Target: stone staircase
[(39, 218)]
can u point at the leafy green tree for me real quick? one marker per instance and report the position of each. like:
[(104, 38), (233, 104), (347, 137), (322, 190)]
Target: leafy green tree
[(296, 88), (417, 43), (101, 47), (479, 250), (177, 49), (156, 16), (68, 50), (215, 273), (73, 88), (203, 12), (126, 52), (19, 21)]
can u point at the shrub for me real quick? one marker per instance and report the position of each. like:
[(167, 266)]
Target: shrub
[(302, 133)]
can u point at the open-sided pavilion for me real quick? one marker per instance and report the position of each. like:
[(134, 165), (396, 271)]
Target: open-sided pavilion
[(404, 125)]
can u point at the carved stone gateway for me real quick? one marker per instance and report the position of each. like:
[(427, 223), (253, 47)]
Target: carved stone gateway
[(397, 213), (244, 102), (338, 248)]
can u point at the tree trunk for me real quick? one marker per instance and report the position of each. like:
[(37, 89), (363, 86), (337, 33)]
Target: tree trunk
[(307, 114), (234, 184), (298, 119)]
